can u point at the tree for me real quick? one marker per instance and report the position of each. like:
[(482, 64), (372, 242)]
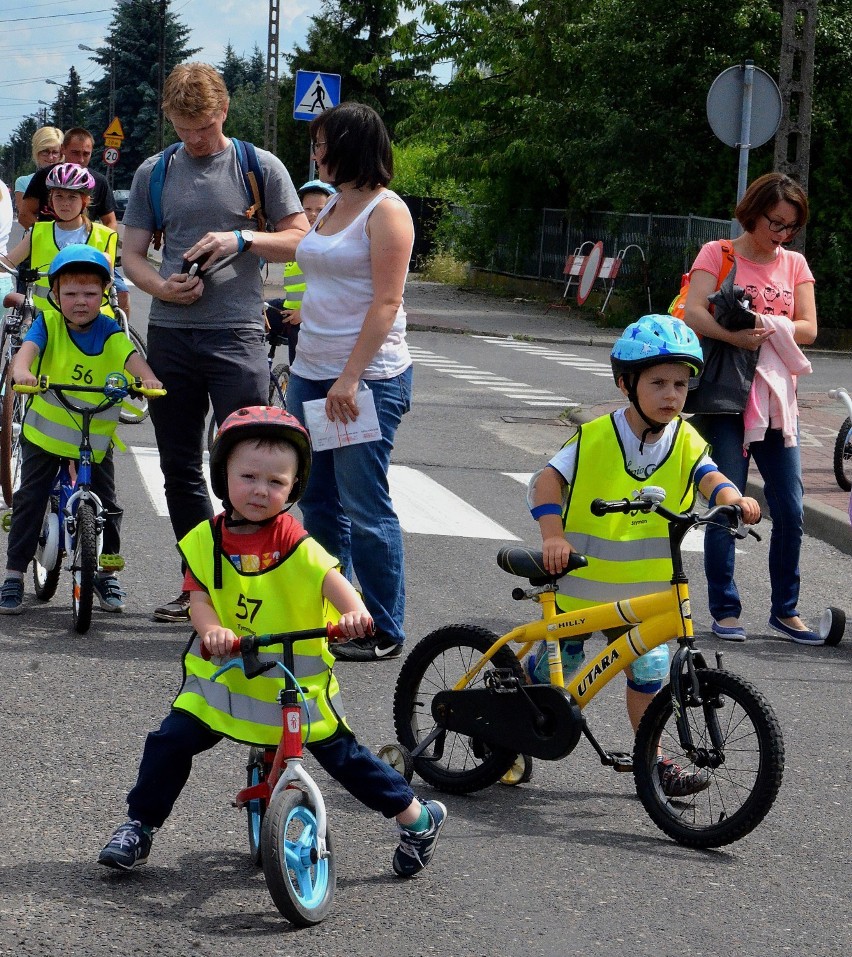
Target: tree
[(132, 51)]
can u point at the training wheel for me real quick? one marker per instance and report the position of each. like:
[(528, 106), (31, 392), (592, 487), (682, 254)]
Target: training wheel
[(399, 758), (520, 772), (832, 625)]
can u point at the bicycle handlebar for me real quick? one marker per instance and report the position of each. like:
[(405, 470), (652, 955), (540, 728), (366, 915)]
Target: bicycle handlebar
[(44, 385), (650, 499), (251, 644)]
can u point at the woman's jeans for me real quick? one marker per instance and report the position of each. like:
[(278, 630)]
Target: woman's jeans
[(347, 506), (781, 470)]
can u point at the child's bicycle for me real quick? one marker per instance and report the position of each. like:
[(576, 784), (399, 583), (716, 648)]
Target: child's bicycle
[(288, 830), (465, 716), (74, 517), (16, 324), (843, 442)]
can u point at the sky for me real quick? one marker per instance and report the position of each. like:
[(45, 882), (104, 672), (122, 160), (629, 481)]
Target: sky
[(39, 41)]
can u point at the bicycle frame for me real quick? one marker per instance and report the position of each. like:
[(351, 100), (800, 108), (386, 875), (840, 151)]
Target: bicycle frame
[(656, 618)]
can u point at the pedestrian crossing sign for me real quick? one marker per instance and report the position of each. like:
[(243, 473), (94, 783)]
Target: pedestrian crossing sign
[(315, 93)]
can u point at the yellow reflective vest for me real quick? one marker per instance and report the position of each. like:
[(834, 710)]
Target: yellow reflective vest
[(47, 423), (294, 286), (628, 555), (44, 248), (286, 596)]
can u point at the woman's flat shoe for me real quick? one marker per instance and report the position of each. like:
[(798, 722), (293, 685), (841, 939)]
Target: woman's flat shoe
[(805, 637), (728, 632)]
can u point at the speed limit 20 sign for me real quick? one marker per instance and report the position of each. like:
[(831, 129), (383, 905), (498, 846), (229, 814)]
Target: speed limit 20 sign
[(111, 156)]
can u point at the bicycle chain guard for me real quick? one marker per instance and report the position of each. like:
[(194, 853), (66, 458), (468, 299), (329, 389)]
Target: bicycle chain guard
[(541, 721)]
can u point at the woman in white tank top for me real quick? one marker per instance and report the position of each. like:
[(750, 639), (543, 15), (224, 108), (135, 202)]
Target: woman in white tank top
[(355, 261)]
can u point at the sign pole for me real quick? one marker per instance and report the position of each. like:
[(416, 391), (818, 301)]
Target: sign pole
[(745, 138)]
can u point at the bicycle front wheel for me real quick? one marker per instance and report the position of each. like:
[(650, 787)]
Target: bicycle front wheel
[(11, 418), (740, 778), (278, 385), (843, 456), (455, 763), (300, 882), (84, 567), (139, 402)]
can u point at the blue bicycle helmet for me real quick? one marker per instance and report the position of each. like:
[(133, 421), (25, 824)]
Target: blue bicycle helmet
[(316, 186), (653, 340), (78, 258)]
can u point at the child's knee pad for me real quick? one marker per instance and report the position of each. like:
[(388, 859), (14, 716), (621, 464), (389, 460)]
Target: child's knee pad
[(649, 670)]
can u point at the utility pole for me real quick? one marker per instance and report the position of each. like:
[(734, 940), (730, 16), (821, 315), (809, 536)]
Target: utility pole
[(270, 126), (161, 76), (795, 81)]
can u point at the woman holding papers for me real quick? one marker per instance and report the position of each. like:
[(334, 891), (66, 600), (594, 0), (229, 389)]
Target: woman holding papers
[(352, 354)]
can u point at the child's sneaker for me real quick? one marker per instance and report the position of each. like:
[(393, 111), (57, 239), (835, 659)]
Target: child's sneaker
[(12, 596), (416, 848), (128, 847), (110, 593), (677, 783)]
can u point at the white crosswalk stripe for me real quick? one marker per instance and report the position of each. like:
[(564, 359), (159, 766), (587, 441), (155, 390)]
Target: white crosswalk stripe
[(521, 391), (423, 505), (554, 355)]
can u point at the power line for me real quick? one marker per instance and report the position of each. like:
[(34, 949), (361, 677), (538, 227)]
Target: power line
[(56, 16)]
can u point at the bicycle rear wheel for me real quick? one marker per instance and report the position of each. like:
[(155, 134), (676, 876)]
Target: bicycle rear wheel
[(454, 762), (843, 456), (11, 419), (47, 563), (256, 810), (300, 882), (139, 402), (743, 774), (84, 567)]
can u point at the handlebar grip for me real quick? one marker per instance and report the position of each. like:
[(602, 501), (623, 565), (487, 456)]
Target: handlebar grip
[(333, 631), (601, 506), (235, 649), (26, 389), (149, 393)]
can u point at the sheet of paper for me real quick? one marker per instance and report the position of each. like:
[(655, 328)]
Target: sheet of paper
[(326, 434)]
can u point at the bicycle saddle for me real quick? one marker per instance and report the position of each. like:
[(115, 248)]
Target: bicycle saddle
[(528, 563), (13, 300)]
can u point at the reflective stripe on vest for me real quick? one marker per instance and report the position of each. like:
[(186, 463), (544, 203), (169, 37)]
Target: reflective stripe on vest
[(44, 248), (629, 555), (47, 423), (286, 596), (294, 286)]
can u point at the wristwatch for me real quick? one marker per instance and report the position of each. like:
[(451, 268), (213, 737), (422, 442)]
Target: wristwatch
[(247, 237)]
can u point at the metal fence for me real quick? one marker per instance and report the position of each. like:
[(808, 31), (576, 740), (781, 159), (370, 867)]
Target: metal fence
[(668, 242)]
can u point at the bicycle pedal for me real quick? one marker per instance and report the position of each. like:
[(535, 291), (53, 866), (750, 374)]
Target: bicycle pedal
[(111, 563), (619, 761)]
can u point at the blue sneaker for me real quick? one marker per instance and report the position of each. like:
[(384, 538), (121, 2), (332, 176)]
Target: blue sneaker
[(109, 593), (415, 849), (128, 847), (12, 596)]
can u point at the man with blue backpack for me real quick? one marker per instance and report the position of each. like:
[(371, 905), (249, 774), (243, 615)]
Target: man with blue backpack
[(217, 207)]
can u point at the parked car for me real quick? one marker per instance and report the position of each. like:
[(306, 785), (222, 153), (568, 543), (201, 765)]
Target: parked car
[(121, 196)]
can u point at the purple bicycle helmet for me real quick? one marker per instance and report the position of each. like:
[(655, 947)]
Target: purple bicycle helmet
[(70, 176)]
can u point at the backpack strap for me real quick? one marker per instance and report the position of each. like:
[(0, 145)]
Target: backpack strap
[(253, 178), (727, 259), (155, 189)]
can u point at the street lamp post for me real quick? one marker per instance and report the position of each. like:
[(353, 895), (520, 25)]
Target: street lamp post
[(161, 76), (111, 107)]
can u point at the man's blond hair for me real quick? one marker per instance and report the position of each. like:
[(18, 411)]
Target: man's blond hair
[(194, 89)]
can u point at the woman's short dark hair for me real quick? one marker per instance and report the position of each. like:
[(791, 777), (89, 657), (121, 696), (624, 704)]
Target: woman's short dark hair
[(357, 145), (767, 191)]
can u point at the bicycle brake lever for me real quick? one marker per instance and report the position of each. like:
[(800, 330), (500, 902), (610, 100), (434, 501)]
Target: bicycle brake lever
[(253, 666)]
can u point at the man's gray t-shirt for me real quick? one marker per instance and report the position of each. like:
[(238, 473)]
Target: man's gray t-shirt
[(208, 194)]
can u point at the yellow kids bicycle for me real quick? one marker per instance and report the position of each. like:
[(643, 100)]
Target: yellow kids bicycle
[(465, 715)]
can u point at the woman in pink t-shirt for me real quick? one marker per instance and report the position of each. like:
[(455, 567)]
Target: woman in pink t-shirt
[(779, 287)]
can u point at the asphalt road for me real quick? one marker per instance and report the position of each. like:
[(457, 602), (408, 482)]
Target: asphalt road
[(567, 864)]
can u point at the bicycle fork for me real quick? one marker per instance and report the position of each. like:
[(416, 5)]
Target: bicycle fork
[(686, 693)]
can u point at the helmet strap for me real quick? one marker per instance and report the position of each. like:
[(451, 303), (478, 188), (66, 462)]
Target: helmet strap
[(654, 428)]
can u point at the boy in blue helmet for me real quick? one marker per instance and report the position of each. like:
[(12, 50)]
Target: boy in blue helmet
[(73, 341), (647, 442), (284, 315)]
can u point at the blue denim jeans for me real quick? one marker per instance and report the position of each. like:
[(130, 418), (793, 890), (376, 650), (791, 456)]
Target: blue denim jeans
[(347, 506), (781, 470)]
